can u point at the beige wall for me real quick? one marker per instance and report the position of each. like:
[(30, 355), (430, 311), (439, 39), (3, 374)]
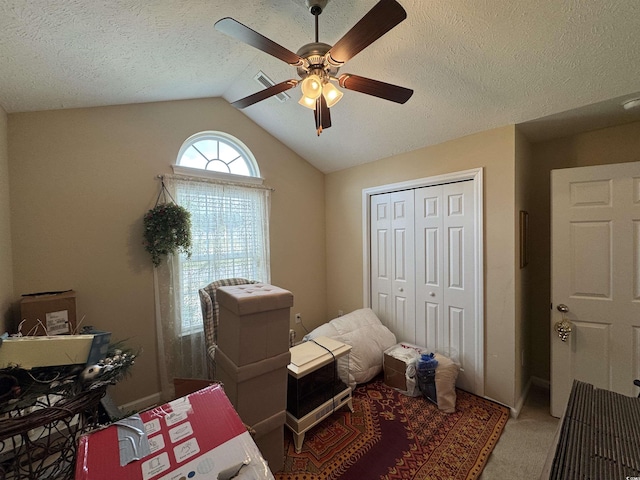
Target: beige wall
[(81, 181), (611, 145), (493, 150), (6, 269), (524, 165)]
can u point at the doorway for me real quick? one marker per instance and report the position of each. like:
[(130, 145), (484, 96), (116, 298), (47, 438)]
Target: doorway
[(595, 279)]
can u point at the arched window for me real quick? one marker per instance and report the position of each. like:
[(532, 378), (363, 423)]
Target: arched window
[(218, 152), (217, 179)]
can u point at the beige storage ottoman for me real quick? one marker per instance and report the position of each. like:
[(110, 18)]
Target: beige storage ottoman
[(269, 437), (253, 322), (258, 390)]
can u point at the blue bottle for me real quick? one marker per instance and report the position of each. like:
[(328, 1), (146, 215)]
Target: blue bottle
[(426, 373)]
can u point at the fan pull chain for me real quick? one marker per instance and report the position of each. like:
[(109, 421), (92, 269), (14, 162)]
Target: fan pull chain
[(318, 115)]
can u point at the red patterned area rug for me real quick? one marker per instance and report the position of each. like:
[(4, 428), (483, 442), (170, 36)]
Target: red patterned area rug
[(390, 436)]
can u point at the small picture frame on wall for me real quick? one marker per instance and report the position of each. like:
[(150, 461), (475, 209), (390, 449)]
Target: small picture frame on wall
[(524, 238)]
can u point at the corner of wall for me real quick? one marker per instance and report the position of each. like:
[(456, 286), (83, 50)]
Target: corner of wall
[(6, 255), (523, 203)]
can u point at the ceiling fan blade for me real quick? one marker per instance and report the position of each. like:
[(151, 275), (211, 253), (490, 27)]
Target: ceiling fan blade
[(264, 94), (322, 115), (385, 15), (241, 32), (325, 114), (376, 88)]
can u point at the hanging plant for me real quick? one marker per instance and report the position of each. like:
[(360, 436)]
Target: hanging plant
[(167, 229)]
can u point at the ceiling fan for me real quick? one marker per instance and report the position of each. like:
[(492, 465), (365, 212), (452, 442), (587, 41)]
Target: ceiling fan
[(318, 63)]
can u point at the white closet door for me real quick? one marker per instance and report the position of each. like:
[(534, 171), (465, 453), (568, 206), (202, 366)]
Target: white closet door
[(445, 282), (429, 267), (381, 258), (403, 284), (392, 262)]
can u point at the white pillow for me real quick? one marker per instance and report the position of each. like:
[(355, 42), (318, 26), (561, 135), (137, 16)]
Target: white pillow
[(324, 330), (368, 338), (357, 319)]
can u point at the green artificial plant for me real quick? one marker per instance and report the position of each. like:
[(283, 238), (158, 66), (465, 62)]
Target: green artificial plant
[(167, 228)]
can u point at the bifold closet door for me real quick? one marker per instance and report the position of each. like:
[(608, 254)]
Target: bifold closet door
[(445, 316), (392, 262)]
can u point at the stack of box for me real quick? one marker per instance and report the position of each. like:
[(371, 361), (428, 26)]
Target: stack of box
[(252, 358)]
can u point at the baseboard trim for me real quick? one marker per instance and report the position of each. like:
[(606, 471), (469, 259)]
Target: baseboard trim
[(141, 403), (515, 411), (541, 382)]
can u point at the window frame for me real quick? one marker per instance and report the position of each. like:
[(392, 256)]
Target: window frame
[(236, 144), (184, 172)]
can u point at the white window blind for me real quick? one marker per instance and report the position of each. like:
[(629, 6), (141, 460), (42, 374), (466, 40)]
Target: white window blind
[(229, 230)]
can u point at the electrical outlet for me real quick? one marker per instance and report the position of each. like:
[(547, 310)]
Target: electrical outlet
[(298, 318)]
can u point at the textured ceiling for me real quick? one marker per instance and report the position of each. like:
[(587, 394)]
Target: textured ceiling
[(473, 65)]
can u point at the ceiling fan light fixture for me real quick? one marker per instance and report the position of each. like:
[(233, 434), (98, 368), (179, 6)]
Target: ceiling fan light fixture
[(317, 63), (307, 102), (312, 86), (331, 94)]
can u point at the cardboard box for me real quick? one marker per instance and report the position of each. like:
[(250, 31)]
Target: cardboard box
[(55, 312), (269, 437), (197, 436), (258, 390), (31, 352), (253, 322), (99, 347), (395, 365), (395, 372)]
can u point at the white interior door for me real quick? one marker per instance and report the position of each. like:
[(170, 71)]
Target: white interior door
[(381, 257), (403, 283), (446, 320), (595, 273), (392, 262)]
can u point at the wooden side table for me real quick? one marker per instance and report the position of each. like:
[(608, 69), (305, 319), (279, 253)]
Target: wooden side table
[(317, 384)]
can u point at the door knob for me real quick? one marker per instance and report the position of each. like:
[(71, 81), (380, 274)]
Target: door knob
[(563, 329), (401, 289), (432, 294)]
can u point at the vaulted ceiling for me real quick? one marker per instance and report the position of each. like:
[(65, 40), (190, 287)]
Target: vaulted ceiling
[(558, 66)]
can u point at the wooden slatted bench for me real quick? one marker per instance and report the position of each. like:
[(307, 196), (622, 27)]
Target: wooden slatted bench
[(598, 437)]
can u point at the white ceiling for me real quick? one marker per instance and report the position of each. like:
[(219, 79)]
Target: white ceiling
[(474, 65)]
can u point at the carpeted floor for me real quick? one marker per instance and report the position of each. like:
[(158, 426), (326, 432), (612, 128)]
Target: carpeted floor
[(390, 436)]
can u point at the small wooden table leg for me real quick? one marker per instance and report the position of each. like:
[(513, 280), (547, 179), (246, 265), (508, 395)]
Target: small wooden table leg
[(298, 439)]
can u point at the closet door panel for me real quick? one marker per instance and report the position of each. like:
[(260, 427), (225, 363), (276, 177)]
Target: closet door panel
[(403, 265), (381, 297), (459, 280), (429, 266), (431, 328)]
